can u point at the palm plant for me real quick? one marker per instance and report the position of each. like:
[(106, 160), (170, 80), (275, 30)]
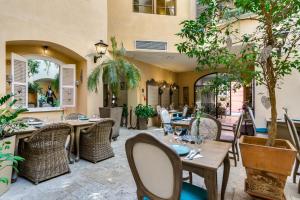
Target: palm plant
[(113, 71), (7, 126)]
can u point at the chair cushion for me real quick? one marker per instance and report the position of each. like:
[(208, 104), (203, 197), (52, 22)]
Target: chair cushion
[(190, 192), (261, 130), (227, 135)]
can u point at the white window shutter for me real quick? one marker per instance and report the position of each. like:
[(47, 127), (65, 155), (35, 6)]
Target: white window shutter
[(67, 85), (19, 86)]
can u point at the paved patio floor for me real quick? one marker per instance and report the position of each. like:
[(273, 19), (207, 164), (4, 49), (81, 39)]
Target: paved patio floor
[(112, 180)]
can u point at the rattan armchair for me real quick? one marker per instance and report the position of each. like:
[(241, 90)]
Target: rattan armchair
[(45, 153), (74, 116), (95, 142)]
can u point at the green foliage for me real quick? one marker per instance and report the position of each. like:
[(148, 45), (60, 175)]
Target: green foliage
[(272, 49), (55, 83), (34, 88), (8, 125), (144, 111), (33, 67), (114, 70)]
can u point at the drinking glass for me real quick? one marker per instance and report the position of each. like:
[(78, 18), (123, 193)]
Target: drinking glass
[(178, 131)]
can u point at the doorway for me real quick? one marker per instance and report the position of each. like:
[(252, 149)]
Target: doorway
[(220, 104)]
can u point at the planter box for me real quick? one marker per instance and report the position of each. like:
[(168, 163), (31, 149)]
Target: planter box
[(267, 167), (116, 114), (7, 171), (142, 124)]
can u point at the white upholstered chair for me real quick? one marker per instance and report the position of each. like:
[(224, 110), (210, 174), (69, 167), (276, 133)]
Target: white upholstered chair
[(157, 171), (184, 111), (209, 127), (166, 121)]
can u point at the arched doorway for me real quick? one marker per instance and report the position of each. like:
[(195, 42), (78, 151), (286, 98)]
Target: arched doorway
[(219, 104)]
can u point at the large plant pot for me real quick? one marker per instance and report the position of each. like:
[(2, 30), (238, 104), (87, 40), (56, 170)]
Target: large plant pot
[(267, 167), (116, 114), (142, 124), (7, 171)]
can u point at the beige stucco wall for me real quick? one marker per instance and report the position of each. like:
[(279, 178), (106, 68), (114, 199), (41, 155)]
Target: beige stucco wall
[(287, 96), (76, 25), (148, 72), (129, 26)]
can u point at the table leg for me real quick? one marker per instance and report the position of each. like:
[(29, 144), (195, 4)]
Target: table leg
[(211, 184), (225, 176), (77, 140), (70, 148)]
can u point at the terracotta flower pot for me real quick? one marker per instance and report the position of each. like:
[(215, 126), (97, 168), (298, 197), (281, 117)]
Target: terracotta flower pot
[(267, 167), (142, 124)]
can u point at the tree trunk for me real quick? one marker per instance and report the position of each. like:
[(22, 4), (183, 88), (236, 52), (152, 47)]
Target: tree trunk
[(273, 130)]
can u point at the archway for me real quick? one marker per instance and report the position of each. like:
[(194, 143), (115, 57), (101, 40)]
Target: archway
[(53, 54), (219, 104)]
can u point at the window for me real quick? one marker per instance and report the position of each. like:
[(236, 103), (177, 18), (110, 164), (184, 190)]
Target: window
[(42, 84), (165, 7), (143, 6), (160, 7)]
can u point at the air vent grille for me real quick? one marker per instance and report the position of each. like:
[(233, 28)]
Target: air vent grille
[(151, 45)]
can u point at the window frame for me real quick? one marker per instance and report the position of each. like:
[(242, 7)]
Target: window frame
[(155, 7), (60, 63)]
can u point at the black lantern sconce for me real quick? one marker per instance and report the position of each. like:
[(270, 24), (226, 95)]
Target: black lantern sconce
[(101, 49), (45, 50)]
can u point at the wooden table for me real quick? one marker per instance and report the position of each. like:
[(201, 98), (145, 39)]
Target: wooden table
[(78, 125), (214, 155)]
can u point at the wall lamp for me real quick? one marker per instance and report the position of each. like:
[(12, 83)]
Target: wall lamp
[(45, 49), (101, 49)]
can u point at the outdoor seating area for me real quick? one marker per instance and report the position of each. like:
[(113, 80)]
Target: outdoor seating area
[(58, 150), (149, 100)]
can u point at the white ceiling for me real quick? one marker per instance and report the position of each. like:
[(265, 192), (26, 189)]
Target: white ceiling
[(175, 62)]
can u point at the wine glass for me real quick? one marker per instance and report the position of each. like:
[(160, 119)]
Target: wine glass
[(178, 131)]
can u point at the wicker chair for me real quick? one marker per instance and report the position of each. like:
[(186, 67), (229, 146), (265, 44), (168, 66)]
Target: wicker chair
[(74, 116), (95, 142), (45, 153)]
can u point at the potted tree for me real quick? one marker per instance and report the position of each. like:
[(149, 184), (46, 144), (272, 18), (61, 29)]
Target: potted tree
[(143, 113), (265, 55), (112, 71), (7, 141)]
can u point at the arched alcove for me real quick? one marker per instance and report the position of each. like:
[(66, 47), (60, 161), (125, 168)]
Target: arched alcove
[(52, 53)]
